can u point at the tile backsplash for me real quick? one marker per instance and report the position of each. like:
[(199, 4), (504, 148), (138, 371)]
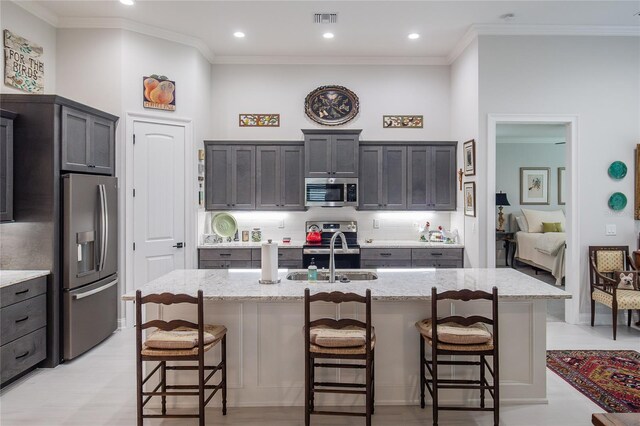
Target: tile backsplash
[(276, 225)]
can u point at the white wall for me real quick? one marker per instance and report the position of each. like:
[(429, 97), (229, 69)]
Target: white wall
[(24, 24), (382, 89), (596, 78), (464, 126)]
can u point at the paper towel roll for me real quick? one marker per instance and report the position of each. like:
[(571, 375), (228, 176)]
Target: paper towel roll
[(269, 262)]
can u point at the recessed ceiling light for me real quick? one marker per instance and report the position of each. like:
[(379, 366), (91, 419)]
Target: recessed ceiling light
[(127, 2), (413, 36), (328, 35), (238, 34)]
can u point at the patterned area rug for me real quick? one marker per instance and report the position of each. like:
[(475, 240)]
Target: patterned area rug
[(611, 379)]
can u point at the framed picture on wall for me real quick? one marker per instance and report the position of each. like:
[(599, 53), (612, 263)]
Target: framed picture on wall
[(534, 185), (469, 153), (562, 185), (470, 199), (637, 214)]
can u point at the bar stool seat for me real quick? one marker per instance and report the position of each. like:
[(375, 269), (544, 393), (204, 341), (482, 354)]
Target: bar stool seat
[(456, 334), (184, 338)]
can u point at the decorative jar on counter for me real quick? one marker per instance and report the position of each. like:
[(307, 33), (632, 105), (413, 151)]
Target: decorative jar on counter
[(256, 235)]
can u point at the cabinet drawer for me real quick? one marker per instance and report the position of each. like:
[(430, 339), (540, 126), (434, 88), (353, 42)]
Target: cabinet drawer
[(385, 263), (22, 354), (22, 318), (283, 254), (436, 263), (225, 254), (224, 264), (446, 253), (290, 264), (395, 254), (22, 291)]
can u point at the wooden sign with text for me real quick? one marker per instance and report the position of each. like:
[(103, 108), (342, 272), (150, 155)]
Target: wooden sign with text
[(23, 67)]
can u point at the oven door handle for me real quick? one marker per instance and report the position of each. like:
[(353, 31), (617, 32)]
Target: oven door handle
[(328, 251)]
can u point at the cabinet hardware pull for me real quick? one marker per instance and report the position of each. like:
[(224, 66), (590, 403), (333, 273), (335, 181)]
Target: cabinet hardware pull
[(436, 254), (22, 319), (18, 293), (385, 254), (225, 254), (23, 355)]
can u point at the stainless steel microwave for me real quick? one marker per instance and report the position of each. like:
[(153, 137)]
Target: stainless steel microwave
[(331, 192)]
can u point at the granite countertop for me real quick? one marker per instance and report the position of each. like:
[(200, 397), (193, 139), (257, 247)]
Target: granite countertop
[(391, 285), (363, 244), (249, 244), (11, 277)]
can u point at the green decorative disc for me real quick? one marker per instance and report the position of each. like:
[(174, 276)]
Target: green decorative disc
[(617, 170), (617, 201), (224, 224)]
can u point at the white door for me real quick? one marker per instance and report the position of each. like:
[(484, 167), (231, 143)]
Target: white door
[(159, 200)]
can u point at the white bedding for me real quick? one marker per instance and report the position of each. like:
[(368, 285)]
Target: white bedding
[(526, 250)]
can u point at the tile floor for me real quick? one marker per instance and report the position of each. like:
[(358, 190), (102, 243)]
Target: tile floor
[(99, 389)]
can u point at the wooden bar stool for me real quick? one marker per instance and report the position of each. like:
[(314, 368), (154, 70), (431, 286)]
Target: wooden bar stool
[(178, 340), (344, 339), (465, 336)]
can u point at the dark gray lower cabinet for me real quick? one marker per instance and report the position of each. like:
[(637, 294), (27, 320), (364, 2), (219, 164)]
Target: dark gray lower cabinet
[(6, 165), (411, 258), (279, 178), (244, 258), (230, 177)]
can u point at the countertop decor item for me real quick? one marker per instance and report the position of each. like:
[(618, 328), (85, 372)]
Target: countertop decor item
[(256, 235), (501, 201), (224, 225), (617, 170), (617, 201), (331, 105)]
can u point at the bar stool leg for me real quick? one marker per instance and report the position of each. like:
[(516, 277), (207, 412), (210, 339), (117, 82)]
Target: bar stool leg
[(139, 387), (482, 381), (373, 381), (307, 392), (312, 394), (223, 349), (163, 377), (434, 384), (368, 402), (201, 388), (422, 372), (496, 391)]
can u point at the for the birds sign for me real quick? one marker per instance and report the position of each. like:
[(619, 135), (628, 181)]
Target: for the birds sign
[(23, 66)]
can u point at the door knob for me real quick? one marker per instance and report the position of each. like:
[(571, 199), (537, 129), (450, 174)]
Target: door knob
[(179, 245)]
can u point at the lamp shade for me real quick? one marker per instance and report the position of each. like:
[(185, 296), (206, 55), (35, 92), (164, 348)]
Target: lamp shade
[(501, 199)]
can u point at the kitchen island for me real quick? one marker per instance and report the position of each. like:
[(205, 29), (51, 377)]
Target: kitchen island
[(265, 346)]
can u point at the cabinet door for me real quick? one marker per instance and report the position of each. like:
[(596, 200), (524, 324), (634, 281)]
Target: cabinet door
[(419, 178), (317, 156), (344, 156), (371, 176), (102, 146), (6, 169), (292, 178), (394, 178), (443, 167), (217, 177), (76, 132), (268, 190), (243, 178)]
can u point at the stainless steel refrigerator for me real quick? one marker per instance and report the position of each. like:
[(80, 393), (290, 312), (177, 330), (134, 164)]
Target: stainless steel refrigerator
[(89, 261)]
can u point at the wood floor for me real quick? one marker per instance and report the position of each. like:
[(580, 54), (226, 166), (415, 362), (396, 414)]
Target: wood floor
[(99, 389)]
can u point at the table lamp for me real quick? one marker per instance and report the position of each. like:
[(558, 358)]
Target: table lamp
[(501, 200)]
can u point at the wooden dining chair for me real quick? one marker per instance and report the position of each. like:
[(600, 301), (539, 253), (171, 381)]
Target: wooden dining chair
[(335, 340), (178, 340), (465, 336)]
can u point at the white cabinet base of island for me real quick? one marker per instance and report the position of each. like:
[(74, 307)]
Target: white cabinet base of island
[(265, 346)]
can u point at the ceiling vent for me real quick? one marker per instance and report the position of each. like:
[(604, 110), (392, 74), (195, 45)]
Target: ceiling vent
[(325, 18)]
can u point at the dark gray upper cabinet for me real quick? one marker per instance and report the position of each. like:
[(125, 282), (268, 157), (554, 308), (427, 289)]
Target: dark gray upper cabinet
[(431, 177), (88, 142), (230, 173), (6, 166), (331, 153), (383, 178), (279, 178)]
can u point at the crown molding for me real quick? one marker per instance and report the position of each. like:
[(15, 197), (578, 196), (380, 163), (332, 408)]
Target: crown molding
[(39, 12), (129, 25), (556, 30), (330, 60), (462, 44)]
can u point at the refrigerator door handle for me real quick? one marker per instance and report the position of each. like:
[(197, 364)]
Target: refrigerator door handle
[(104, 226), (94, 291)]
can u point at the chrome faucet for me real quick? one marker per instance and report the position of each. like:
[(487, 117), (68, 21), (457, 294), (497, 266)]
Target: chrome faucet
[(332, 260)]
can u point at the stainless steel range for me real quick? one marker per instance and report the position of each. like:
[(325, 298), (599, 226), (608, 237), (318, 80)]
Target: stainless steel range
[(317, 246)]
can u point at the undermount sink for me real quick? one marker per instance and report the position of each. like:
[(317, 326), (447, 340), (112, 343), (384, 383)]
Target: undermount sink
[(323, 275)]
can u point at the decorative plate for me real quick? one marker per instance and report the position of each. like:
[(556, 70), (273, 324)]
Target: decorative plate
[(224, 225), (617, 170), (331, 105), (617, 201)]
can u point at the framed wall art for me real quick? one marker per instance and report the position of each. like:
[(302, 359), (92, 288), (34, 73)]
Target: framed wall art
[(562, 186), (469, 153), (470, 199), (534, 185), (259, 120), (331, 105), (23, 66), (402, 121), (159, 93), (637, 201)]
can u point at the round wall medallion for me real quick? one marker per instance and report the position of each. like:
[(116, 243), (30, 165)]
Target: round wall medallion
[(331, 105), (617, 201), (617, 170)]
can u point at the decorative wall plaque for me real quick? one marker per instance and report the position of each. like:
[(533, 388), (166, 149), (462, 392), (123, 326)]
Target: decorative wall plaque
[(23, 67), (259, 120), (331, 105), (159, 93), (402, 121)]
